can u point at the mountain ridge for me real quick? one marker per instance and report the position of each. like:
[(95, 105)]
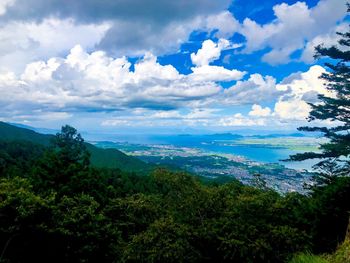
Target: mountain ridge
[(101, 158)]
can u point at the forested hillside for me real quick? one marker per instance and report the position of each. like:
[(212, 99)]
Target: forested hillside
[(103, 158), (56, 207)]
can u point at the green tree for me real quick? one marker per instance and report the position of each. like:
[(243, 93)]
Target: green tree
[(23, 215), (67, 158), (164, 241), (335, 152), (70, 147), (86, 233)]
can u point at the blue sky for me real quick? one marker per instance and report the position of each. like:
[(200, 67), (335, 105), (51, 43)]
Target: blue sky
[(164, 66)]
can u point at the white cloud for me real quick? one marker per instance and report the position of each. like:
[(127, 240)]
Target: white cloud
[(292, 109), (302, 83), (304, 87), (329, 39), (94, 81), (39, 71), (149, 68), (256, 35), (294, 26), (4, 4), (152, 94), (225, 24), (259, 111), (209, 52), (239, 120), (215, 73), (24, 42), (52, 34), (254, 90)]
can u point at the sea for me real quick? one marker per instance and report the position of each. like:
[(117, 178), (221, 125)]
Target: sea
[(227, 144)]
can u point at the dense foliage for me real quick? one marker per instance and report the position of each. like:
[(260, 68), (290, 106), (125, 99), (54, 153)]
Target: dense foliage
[(55, 207)]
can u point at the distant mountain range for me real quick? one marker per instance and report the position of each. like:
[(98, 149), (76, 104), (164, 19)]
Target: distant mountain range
[(38, 130), (107, 158)]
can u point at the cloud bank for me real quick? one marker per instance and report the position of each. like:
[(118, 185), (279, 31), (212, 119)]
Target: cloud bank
[(104, 61)]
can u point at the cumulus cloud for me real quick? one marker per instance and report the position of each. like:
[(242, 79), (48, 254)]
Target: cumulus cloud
[(209, 52), (151, 94), (294, 26), (24, 42), (96, 82), (291, 108), (254, 90), (259, 111), (304, 82), (225, 24), (291, 99), (215, 73), (304, 87)]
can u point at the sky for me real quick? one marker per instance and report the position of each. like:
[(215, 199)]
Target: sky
[(164, 66)]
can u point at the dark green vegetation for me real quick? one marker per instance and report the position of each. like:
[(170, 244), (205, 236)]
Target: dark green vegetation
[(341, 255), (101, 158), (57, 207)]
